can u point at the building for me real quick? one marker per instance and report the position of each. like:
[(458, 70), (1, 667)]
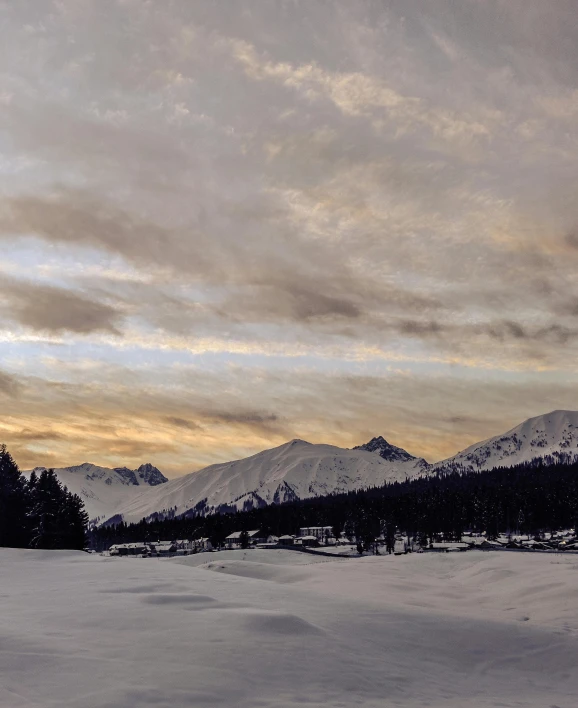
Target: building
[(310, 541), (163, 548), (234, 540), (129, 549), (286, 540), (321, 533)]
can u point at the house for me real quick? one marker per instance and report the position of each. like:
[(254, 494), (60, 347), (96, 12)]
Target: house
[(201, 544), (308, 540), (163, 548), (286, 540), (234, 540), (321, 533), (129, 549)]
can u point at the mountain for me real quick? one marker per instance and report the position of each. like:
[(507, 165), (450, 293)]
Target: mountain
[(553, 434), (386, 450), (295, 470), (145, 474), (102, 489)]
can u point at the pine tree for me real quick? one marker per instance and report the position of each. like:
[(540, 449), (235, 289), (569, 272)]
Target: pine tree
[(47, 505), (58, 518), (13, 502), (73, 522)]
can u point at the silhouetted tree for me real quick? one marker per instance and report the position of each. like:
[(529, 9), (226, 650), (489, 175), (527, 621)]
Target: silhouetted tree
[(13, 502)]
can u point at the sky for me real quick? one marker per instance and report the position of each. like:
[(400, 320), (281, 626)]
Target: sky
[(227, 225)]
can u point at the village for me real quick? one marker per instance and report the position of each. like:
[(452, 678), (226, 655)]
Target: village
[(320, 540)]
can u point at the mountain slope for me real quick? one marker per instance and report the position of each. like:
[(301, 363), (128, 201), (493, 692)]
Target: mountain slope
[(102, 489), (554, 434), (296, 469)]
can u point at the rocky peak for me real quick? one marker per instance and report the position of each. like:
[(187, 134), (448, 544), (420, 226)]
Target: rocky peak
[(384, 449), (151, 475)]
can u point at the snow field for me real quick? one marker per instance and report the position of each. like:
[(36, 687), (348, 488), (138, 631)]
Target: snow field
[(270, 628)]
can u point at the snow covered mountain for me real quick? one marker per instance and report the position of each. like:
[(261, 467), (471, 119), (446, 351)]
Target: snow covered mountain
[(103, 489), (295, 470), (553, 434), (298, 470)]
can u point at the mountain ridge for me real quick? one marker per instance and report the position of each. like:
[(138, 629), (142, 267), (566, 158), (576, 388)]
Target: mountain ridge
[(102, 489), (299, 469)]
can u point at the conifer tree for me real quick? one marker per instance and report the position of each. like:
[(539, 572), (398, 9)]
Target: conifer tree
[(74, 522), (13, 502), (47, 505)]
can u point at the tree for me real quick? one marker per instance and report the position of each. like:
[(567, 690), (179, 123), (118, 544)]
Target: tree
[(46, 508), (58, 518), (390, 537), (244, 539), (13, 502), (74, 522)]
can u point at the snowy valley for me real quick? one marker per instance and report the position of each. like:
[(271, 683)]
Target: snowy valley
[(280, 629)]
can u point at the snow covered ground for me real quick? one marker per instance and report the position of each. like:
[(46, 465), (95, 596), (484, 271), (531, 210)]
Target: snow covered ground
[(279, 628)]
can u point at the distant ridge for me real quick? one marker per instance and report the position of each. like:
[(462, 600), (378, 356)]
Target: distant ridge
[(102, 489), (552, 434), (299, 470)]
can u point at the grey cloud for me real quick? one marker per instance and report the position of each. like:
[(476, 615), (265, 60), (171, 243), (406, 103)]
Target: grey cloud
[(239, 416), (9, 385), (182, 423), (56, 310)]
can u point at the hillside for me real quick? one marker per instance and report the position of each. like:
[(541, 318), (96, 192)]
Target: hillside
[(552, 434), (103, 489), (295, 470)]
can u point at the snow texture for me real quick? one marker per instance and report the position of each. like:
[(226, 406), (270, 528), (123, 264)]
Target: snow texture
[(471, 630)]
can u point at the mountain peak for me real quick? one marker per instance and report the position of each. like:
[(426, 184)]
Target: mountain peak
[(150, 475), (386, 450)]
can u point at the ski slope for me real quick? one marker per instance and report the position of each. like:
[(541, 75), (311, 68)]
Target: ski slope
[(471, 630)]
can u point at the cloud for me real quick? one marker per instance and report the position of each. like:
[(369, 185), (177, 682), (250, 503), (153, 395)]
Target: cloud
[(9, 385), (182, 423), (50, 309), (279, 199)]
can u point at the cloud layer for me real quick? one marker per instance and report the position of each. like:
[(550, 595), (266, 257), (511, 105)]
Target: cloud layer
[(377, 199)]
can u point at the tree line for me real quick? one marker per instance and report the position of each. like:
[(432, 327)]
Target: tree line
[(537, 496), (39, 512)]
